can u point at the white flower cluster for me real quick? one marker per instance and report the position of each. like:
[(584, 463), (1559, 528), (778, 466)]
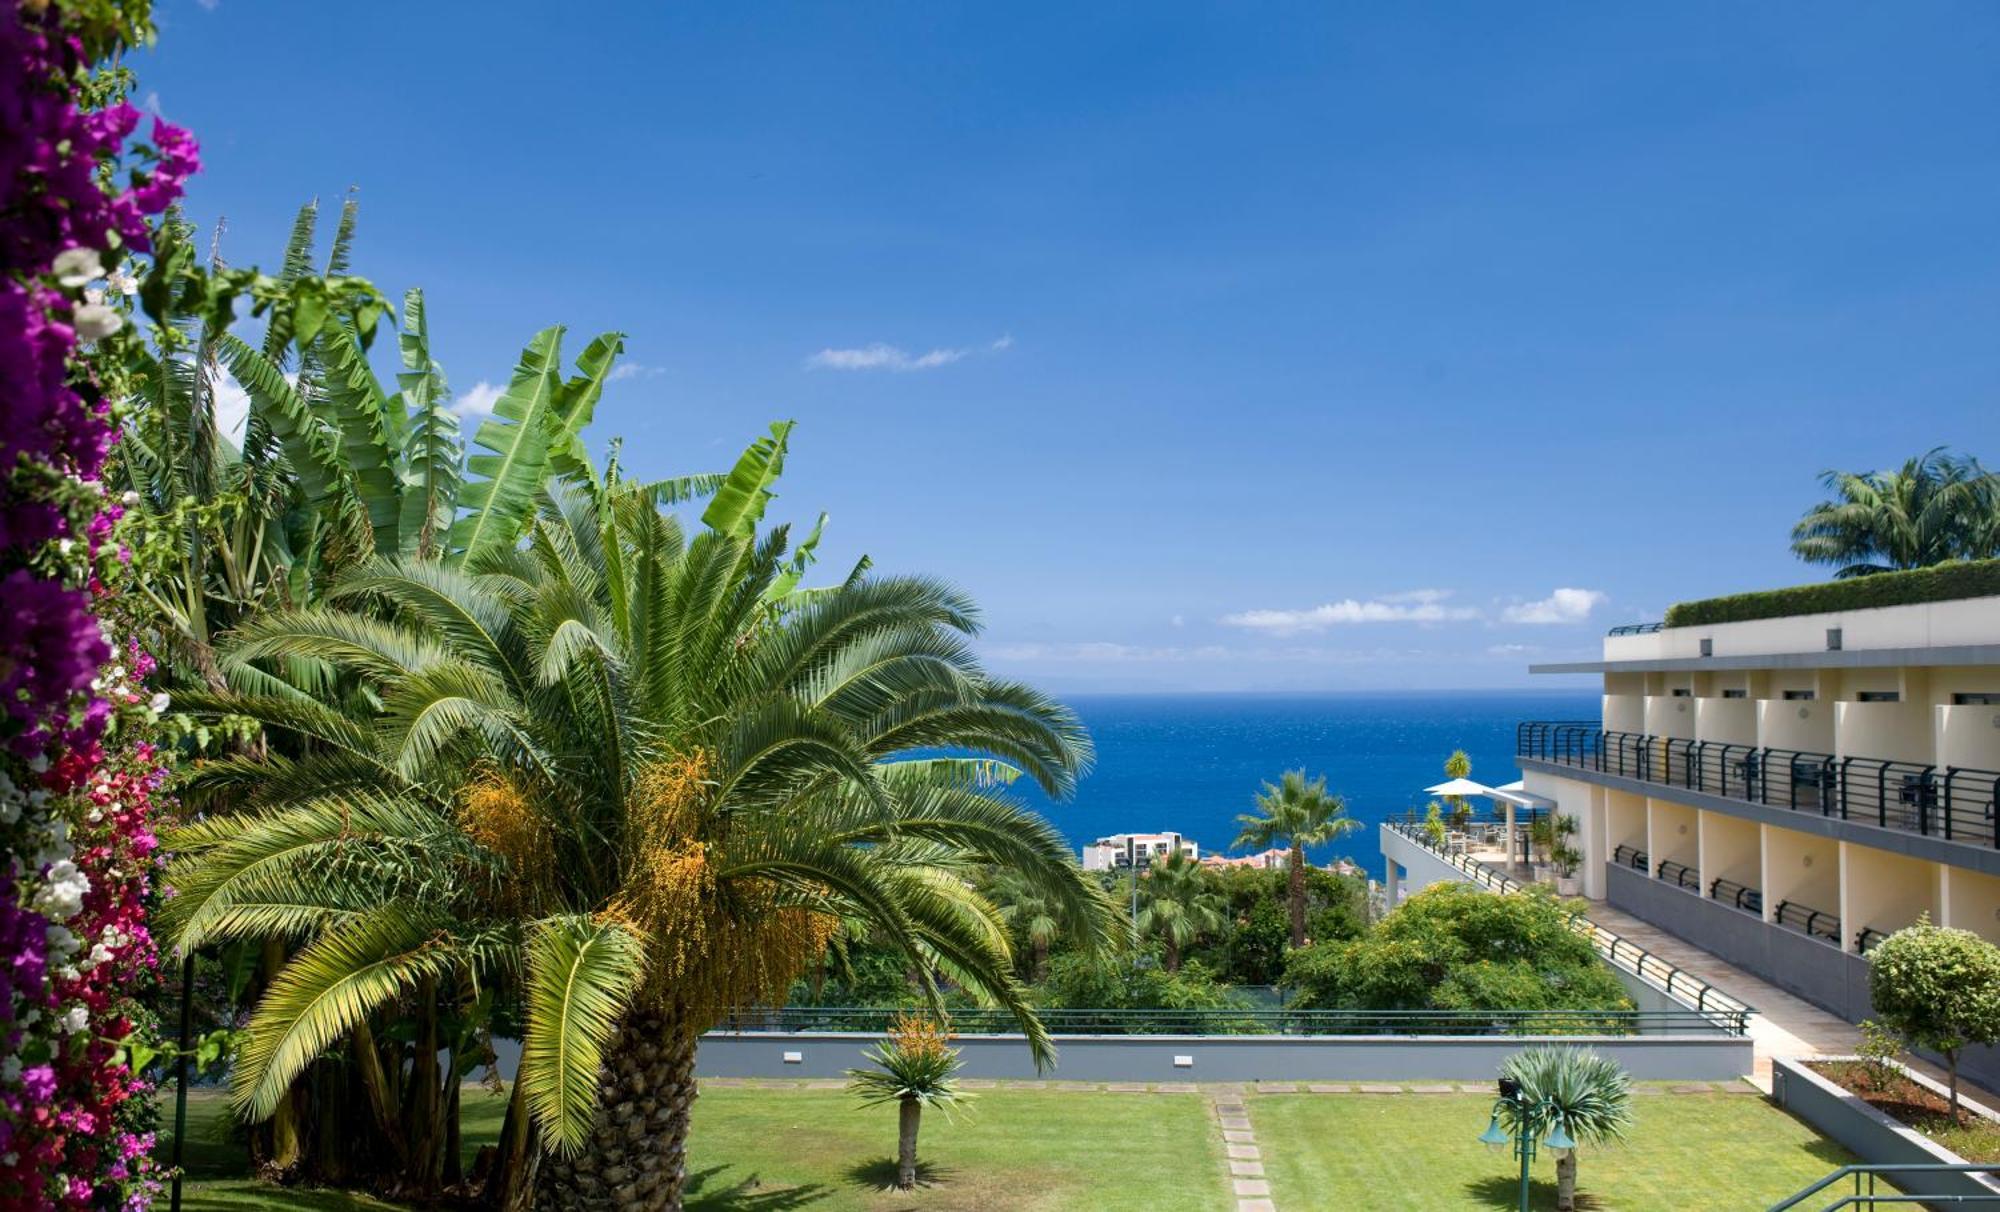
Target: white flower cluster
[(60, 897), (16, 803), (93, 318)]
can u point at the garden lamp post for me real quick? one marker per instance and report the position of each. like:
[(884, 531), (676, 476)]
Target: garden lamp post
[(1525, 1125)]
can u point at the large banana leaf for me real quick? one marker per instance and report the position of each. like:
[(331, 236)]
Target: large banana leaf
[(370, 430), (740, 503), (310, 445), (431, 451), (500, 497), (579, 400)]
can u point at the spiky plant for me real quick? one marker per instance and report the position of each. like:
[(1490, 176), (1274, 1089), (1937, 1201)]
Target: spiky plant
[(916, 1067), (1297, 814), (642, 777), (1587, 1095)]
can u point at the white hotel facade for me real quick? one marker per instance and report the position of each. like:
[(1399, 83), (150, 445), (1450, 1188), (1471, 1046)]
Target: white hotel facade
[(1787, 791)]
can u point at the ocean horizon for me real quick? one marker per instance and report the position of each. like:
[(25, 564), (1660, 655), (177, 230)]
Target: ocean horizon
[(1193, 762)]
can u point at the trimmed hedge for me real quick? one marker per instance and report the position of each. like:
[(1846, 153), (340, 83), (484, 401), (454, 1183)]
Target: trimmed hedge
[(1938, 583)]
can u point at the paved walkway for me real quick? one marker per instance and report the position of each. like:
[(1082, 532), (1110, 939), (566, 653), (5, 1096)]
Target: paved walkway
[(1246, 1160), (1784, 1025)]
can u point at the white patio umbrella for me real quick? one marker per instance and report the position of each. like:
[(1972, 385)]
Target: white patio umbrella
[(1459, 787)]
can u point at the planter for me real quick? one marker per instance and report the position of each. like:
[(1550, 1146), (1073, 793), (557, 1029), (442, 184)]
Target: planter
[(1872, 1135), (1568, 885)]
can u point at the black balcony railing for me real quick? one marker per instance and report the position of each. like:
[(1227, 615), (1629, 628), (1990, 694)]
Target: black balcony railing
[(1637, 628), (1865, 941), (1244, 1021), (1744, 897), (1805, 919), (1955, 803), (1680, 875), (1627, 856)]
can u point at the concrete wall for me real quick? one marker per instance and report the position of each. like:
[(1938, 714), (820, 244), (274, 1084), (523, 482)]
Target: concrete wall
[(1729, 721), (1897, 731), (1884, 891), (1971, 902), (1231, 1058), (1791, 724), (1731, 849), (1931, 624), (1800, 867), (1673, 833), (1968, 735)]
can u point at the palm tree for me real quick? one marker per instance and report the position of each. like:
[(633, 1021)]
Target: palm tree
[(1459, 766), (1586, 1095), (1296, 813), (916, 1068), (1936, 507), (1029, 912), (639, 778), (1177, 904)]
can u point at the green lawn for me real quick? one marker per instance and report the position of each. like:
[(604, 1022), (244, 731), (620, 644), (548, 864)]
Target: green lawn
[(1419, 1151), (760, 1148)]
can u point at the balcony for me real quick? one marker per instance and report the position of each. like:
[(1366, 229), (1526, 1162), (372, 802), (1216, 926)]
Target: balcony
[(1955, 803)]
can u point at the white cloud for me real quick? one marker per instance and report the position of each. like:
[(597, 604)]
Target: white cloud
[(1412, 606), (1562, 606), (635, 370), (1102, 652), (208, 5), (232, 407), (153, 103), (479, 401), (889, 357)]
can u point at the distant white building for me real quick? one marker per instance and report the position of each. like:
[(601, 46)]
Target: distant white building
[(1122, 851), (1269, 860)]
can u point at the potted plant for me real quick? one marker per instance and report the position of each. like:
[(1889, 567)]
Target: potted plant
[(1566, 858)]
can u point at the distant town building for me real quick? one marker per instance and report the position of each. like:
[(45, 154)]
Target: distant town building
[(1122, 851), (1269, 860)]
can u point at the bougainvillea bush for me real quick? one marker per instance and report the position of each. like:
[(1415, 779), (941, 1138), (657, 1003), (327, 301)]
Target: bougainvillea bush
[(79, 188)]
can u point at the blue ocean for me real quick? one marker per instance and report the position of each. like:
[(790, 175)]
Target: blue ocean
[(1192, 763)]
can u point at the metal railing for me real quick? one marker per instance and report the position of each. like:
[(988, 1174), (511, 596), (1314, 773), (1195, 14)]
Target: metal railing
[(1742, 896), (1233, 1021), (1726, 1012), (1871, 1197), (1866, 940), (1637, 629), (1956, 803), (1627, 856), (1815, 923), (1682, 875)]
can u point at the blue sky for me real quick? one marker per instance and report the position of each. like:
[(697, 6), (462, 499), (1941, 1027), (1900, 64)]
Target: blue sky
[(1211, 347)]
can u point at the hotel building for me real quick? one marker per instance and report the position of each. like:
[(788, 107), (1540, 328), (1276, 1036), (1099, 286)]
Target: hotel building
[(1787, 791), (1123, 851)]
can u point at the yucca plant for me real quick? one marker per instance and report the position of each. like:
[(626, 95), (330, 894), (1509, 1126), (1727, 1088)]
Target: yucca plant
[(916, 1067), (642, 778), (1588, 1096)]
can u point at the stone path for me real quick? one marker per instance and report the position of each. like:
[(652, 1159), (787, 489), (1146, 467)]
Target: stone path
[(1246, 1160)]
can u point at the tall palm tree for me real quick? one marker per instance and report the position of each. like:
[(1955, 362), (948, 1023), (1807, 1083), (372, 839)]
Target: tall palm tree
[(636, 776), (1177, 904), (1936, 507), (1297, 814), (1587, 1095)]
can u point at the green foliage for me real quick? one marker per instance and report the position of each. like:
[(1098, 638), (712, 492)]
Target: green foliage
[(1936, 507), (1251, 951), (1941, 583), (1938, 988), (600, 769), (1295, 812), (1453, 947), (1104, 982), (1434, 829), (1178, 906), (1880, 1051)]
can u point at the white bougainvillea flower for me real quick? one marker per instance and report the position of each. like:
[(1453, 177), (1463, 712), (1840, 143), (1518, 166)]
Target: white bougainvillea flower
[(76, 266), (95, 321)]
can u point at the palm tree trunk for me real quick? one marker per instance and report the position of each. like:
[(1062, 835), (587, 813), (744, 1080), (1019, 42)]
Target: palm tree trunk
[(908, 1115), (1041, 959), (1566, 1182), (1173, 953), (636, 1157), (511, 1185), (1296, 893)]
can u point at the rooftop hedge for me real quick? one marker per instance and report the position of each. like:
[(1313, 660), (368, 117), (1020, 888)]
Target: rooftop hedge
[(1938, 583)]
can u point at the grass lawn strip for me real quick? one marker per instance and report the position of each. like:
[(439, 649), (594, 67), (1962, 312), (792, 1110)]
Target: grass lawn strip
[(1010, 1151), (1415, 1153)]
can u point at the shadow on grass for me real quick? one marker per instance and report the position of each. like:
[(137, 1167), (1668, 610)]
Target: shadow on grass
[(705, 1192), (1505, 1192), (881, 1175)]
